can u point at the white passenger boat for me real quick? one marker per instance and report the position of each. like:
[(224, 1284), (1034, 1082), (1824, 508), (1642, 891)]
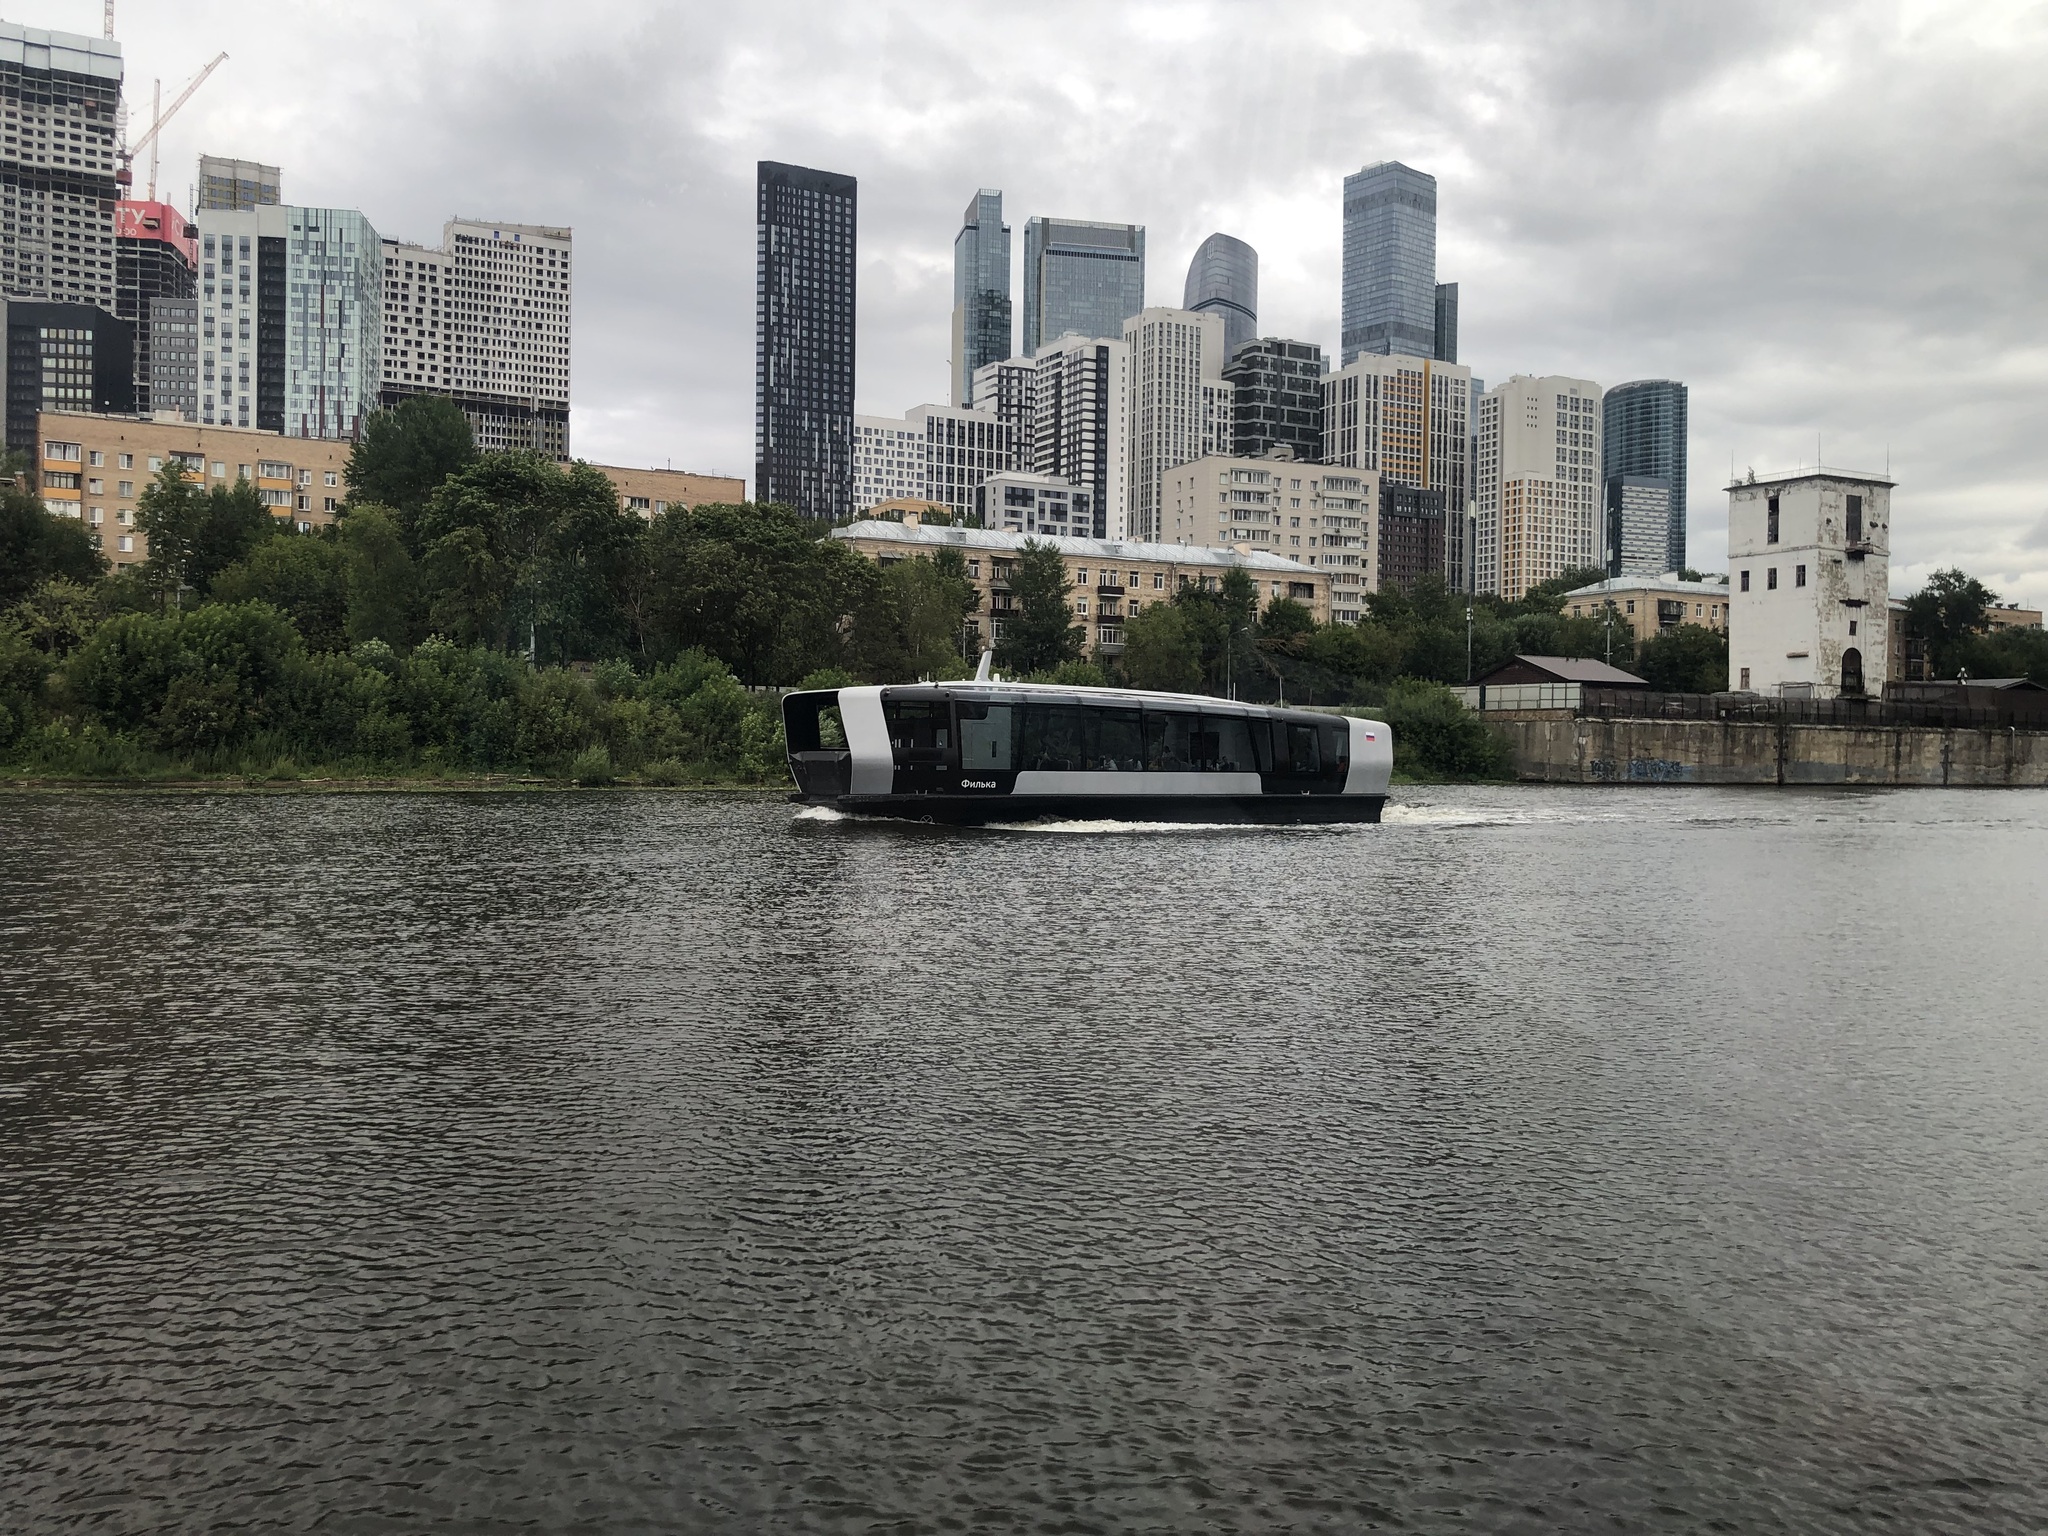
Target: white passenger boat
[(985, 750)]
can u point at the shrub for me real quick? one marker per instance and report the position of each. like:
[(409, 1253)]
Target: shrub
[(1436, 736)]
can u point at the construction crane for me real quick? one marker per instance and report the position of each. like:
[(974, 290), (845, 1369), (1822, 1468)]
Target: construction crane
[(159, 115)]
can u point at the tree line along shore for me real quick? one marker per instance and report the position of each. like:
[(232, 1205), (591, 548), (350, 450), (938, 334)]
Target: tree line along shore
[(500, 615)]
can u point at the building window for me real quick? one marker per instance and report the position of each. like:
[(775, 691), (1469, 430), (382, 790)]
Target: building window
[(1631, 605), (125, 460), (1798, 575), (1852, 627), (1745, 581), (1745, 679), (1771, 579), (97, 459), (1771, 521), (125, 543)]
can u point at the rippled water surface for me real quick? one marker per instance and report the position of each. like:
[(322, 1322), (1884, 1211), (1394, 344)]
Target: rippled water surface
[(1540, 1159)]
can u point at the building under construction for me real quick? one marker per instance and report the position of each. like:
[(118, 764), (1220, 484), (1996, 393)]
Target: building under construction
[(484, 320), (61, 94)]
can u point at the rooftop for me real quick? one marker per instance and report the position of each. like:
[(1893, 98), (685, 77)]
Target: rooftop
[(1097, 549), (1618, 584), (1815, 472), (1580, 669)]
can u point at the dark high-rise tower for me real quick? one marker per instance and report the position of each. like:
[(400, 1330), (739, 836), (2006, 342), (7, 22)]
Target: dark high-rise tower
[(803, 339), (981, 292), (1279, 398), (1643, 432), (1224, 277), (156, 256), (1446, 323), (1390, 293)]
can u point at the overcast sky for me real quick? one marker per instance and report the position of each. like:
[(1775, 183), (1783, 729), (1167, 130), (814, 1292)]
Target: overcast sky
[(1828, 219)]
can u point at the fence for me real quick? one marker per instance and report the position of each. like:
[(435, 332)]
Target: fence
[(2017, 711)]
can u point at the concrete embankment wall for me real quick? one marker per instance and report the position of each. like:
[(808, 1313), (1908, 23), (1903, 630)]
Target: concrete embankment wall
[(1563, 750)]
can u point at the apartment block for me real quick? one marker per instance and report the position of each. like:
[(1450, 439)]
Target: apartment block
[(1278, 397), (935, 453), (1018, 501), (651, 492), (1538, 495), (291, 327), (1408, 418), (1648, 608), (60, 94), (173, 359), (484, 320), (1178, 405), (1310, 514), (1112, 579), (95, 468), (1068, 408), (64, 357)]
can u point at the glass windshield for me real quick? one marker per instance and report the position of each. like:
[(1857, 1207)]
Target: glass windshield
[(987, 737), (920, 730)]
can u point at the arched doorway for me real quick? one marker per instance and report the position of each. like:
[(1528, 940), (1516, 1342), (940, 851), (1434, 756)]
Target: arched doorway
[(1852, 671)]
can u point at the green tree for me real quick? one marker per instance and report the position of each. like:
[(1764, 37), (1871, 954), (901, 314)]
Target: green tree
[(172, 514), (2006, 653), (1286, 619), (911, 623), (1160, 652), (300, 575), (1548, 596), (37, 546), (754, 585), (231, 522), (1223, 621), (1687, 658), (56, 618), (1435, 736), (1947, 613), (406, 454), (379, 582), (519, 552), (1040, 633)]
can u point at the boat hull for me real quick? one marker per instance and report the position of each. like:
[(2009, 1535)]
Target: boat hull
[(982, 810)]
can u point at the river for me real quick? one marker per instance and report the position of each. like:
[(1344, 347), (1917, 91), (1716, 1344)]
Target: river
[(1539, 1159)]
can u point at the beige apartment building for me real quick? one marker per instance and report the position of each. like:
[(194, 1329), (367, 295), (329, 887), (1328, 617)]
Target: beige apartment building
[(1651, 607), (1312, 514), (94, 468), (651, 492), (1113, 579)]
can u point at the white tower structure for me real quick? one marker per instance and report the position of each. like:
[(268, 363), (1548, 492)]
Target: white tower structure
[(1809, 574)]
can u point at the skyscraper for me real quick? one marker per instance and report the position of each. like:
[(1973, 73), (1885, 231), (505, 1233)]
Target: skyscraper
[(1083, 278), (1446, 323), (1390, 295), (1279, 399), (981, 292), (503, 358), (803, 339), (1224, 276), (57, 186), (1646, 435)]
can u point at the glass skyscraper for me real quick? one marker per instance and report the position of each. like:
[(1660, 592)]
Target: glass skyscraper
[(1390, 291), (1644, 433), (981, 292), (803, 339), (1446, 323), (1083, 278), (1224, 277)]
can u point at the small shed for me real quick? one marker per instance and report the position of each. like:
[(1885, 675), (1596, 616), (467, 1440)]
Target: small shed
[(1561, 669)]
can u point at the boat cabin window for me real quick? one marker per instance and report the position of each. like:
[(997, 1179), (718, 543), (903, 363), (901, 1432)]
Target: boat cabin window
[(920, 730), (986, 736), (1073, 738)]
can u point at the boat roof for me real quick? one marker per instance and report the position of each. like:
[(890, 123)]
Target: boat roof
[(971, 688)]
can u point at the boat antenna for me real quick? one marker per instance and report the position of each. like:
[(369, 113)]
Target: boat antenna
[(981, 672)]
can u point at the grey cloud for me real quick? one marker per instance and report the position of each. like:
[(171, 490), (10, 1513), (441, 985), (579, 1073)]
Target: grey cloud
[(1825, 218)]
